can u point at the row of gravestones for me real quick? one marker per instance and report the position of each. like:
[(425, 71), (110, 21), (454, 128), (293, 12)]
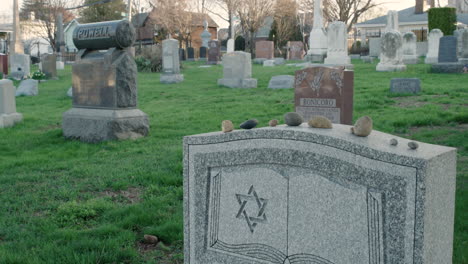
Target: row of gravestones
[(287, 194)]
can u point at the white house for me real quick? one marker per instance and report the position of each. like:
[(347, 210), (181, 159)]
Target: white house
[(68, 35)]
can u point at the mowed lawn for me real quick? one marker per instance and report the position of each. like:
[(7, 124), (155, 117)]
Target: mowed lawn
[(69, 202)]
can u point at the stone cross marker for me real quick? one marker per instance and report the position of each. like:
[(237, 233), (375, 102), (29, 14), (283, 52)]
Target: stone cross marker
[(295, 50), (237, 69), (8, 115), (49, 65), (448, 49), (264, 49), (325, 91), (214, 51), (409, 48), (300, 195), (432, 55), (337, 52), (171, 63), (104, 85), (405, 85), (391, 56)]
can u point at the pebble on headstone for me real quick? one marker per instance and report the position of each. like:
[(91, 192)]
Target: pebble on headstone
[(227, 126), (405, 85), (363, 127), (320, 122), (293, 119), (28, 87), (413, 145), (249, 124), (393, 142), (273, 123)]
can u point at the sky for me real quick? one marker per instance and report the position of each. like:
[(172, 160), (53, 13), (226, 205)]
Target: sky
[(6, 6)]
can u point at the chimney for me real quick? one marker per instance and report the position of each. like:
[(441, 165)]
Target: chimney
[(420, 6)]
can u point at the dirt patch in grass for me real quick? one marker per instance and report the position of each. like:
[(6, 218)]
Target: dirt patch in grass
[(129, 196), (414, 101), (459, 127), (49, 127)]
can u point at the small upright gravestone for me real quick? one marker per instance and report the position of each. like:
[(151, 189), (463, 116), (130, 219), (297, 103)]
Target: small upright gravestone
[(104, 85), (190, 54), (301, 195), (391, 56), (20, 66), (182, 56), (203, 53), (237, 69), (463, 46), (214, 52), (374, 47), (171, 63), (448, 60), (28, 87), (281, 82), (432, 55), (264, 49), (325, 91), (8, 115), (49, 65), (409, 48), (337, 52), (295, 50), (4, 64), (405, 85)]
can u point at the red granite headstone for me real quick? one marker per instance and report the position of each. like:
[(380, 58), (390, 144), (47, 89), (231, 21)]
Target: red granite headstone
[(325, 91), (295, 50), (4, 64), (264, 49), (214, 51)]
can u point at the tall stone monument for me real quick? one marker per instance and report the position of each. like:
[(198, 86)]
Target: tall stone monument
[(104, 85), (231, 41), (318, 36), (337, 46), (301, 195), (391, 56), (19, 62), (325, 91), (392, 21), (205, 35), (237, 70), (409, 48), (432, 55), (8, 115), (171, 62), (60, 43)]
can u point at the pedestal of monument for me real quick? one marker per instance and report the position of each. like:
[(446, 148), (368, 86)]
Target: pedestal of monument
[(8, 115), (104, 86)]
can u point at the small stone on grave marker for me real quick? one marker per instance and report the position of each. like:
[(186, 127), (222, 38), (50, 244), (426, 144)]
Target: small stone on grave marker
[(363, 127), (320, 122), (293, 119), (273, 123), (249, 124), (227, 126)]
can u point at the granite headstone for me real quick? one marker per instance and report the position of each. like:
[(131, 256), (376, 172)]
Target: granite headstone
[(8, 115), (203, 53), (405, 85), (4, 64), (264, 49), (448, 49), (432, 55), (297, 195), (20, 66), (214, 52), (190, 54), (171, 63), (49, 65), (281, 82), (237, 70), (391, 56), (182, 56), (337, 52), (409, 48), (28, 87), (295, 50), (325, 91), (104, 78), (463, 46)]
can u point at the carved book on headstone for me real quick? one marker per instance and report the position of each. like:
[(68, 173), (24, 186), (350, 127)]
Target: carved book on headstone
[(297, 195), (104, 85), (325, 91)]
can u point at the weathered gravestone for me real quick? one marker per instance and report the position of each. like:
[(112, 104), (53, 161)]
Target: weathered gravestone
[(325, 91), (28, 87), (8, 115), (432, 55), (295, 50), (230, 45), (463, 46), (405, 85), (374, 47), (237, 70), (391, 56), (182, 54), (409, 48), (49, 65), (448, 60), (4, 64), (264, 49), (281, 82), (337, 52), (20, 66), (297, 195), (190, 54), (171, 63), (392, 21), (214, 53), (203, 52), (104, 85)]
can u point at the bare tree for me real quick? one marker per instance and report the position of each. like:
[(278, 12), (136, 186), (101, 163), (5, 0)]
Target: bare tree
[(347, 11), (224, 9), (173, 17), (252, 15), (285, 20)]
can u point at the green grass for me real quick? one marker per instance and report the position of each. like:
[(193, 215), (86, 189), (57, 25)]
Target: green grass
[(69, 202)]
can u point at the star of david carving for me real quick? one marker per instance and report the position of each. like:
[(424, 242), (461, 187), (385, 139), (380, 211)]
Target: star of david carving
[(252, 218)]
